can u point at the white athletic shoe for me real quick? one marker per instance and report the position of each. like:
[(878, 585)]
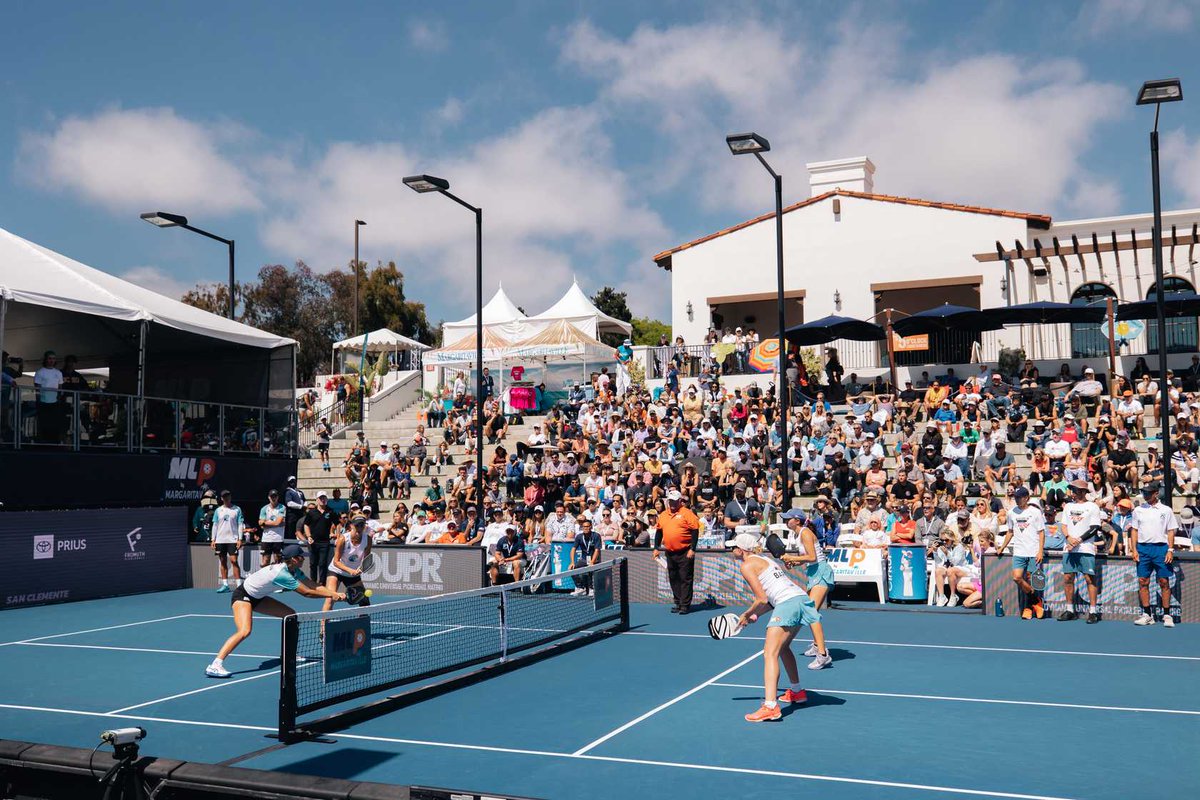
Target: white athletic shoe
[(215, 670), (821, 661), (812, 651), (953, 600), (1168, 621), (1145, 619), (579, 593), (941, 600)]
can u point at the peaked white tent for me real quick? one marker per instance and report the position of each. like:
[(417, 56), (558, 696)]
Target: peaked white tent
[(561, 338), (500, 315), (576, 308), (380, 341)]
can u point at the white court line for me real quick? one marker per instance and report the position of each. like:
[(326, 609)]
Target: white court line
[(1031, 650), (94, 630), (667, 704), (549, 754), (197, 691), (139, 649), (977, 700)]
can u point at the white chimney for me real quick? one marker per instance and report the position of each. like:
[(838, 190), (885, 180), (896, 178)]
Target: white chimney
[(853, 174)]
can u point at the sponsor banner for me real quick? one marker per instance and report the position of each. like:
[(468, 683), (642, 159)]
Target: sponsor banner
[(347, 648), (910, 344), (856, 564), (560, 561), (187, 478), (1116, 579), (83, 555), (395, 570)]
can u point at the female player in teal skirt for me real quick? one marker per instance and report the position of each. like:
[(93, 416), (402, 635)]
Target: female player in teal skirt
[(790, 610), (818, 574)]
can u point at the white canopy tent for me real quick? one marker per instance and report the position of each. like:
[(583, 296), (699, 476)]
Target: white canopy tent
[(576, 308), (380, 341), (49, 301), (463, 351), (500, 315)]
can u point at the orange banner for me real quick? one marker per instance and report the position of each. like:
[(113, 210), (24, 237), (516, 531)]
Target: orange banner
[(908, 344)]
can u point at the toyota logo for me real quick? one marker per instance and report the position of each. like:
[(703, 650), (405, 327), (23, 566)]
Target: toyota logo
[(43, 546)]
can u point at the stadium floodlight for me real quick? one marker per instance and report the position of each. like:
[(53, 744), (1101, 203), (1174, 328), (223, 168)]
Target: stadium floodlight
[(164, 219), (426, 183), (741, 143), (1167, 90)]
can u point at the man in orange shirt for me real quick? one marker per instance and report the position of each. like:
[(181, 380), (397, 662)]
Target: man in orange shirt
[(677, 530)]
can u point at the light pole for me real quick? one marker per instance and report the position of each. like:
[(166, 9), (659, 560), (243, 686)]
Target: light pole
[(358, 223), (741, 144), (162, 219), (428, 183), (1158, 92)]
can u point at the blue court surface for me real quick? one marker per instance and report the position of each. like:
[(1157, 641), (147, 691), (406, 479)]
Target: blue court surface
[(915, 705)]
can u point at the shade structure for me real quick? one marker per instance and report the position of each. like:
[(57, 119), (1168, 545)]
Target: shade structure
[(945, 317), (576, 308), (500, 315), (463, 351), (380, 341), (561, 338), (764, 357), (1177, 304), (1044, 313), (827, 329)]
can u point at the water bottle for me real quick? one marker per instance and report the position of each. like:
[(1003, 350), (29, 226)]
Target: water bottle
[(999, 607)]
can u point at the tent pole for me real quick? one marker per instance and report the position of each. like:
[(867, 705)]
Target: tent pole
[(141, 378), (891, 349)]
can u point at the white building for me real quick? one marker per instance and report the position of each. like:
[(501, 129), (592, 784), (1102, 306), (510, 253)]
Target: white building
[(851, 251)]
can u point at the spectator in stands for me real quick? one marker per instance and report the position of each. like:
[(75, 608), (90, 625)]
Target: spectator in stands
[(295, 502), (48, 380), (1001, 467), (1087, 390)]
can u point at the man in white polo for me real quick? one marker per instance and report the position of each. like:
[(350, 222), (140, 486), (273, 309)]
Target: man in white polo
[(1079, 517), (1150, 533), (1027, 532)]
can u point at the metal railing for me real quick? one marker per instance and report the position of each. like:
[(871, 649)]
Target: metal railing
[(102, 421), (691, 359)]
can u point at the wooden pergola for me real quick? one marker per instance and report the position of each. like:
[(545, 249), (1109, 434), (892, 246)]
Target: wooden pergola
[(1042, 254)]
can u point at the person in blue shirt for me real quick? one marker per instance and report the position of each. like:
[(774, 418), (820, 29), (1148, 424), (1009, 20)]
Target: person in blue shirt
[(585, 551), (945, 415), (255, 596)]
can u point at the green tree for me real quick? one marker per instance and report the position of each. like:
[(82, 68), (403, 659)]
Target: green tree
[(647, 331), (613, 303)]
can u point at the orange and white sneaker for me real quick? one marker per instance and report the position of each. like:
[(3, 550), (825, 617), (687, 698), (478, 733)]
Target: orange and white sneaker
[(794, 697), (1039, 610), (1027, 613), (765, 713)]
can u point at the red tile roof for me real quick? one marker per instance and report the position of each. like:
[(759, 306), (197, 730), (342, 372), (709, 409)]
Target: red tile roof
[(1041, 221)]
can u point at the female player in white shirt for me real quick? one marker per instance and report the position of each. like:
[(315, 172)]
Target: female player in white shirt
[(790, 610), (349, 553)]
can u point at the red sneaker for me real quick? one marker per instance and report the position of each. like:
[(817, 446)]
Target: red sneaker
[(794, 697), (1039, 610), (765, 714)]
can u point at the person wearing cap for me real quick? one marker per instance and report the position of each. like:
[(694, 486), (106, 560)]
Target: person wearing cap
[(790, 608), (1122, 463), (350, 553), (1149, 542), (1080, 517), (317, 529), (202, 520), (272, 518), (950, 557), (934, 396), (1027, 532), (296, 504), (508, 555), (1001, 466), (585, 552), (227, 529), (676, 531), (741, 507), (1131, 414), (811, 555), (254, 596), (1088, 390)]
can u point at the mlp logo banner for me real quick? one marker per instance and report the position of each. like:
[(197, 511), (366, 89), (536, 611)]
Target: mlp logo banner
[(347, 648)]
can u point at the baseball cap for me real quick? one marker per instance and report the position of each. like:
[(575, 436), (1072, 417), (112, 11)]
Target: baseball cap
[(744, 541), (674, 495), (1150, 488), (794, 513), (740, 485), (1127, 393), (292, 551), (358, 519), (322, 493), (383, 444), (291, 478), (964, 514), (1021, 492), (1089, 369), (1125, 503)]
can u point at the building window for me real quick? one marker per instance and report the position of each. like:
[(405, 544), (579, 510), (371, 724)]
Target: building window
[(1090, 339), (1181, 332)]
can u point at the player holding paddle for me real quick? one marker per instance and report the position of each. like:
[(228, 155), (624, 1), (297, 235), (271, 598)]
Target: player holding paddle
[(817, 571), (1082, 519), (255, 595), (790, 610), (350, 554), (1027, 532)]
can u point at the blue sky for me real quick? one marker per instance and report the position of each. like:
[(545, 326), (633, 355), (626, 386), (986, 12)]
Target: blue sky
[(590, 132)]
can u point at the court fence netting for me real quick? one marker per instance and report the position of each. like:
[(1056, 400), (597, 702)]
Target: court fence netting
[(333, 657)]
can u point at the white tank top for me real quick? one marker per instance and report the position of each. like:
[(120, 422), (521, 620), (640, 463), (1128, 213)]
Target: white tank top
[(775, 582), (352, 554), (820, 554)]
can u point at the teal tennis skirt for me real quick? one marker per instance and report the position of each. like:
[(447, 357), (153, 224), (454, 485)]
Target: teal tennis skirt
[(819, 574), (794, 612)]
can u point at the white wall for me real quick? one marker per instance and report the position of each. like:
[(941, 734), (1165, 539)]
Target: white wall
[(870, 241)]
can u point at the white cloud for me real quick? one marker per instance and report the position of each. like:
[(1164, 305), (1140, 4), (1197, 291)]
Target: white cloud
[(1105, 16), (156, 280), (985, 129), (428, 35), (141, 159), (450, 112), (1094, 198), (1180, 165)]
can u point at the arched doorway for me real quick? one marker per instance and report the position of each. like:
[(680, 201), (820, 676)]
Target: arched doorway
[(1089, 339), (1181, 332)]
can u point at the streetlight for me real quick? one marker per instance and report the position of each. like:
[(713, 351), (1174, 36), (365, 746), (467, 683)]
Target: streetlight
[(358, 223), (742, 144), (162, 219), (428, 183), (1158, 92)]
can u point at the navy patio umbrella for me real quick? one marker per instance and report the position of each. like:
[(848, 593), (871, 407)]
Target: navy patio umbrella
[(1045, 313), (945, 317), (1177, 304), (827, 329)]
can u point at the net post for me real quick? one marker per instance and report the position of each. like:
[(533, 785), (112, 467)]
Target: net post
[(623, 580), (503, 626), (287, 679)]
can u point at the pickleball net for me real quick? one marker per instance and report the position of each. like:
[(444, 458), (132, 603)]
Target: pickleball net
[(335, 657)]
